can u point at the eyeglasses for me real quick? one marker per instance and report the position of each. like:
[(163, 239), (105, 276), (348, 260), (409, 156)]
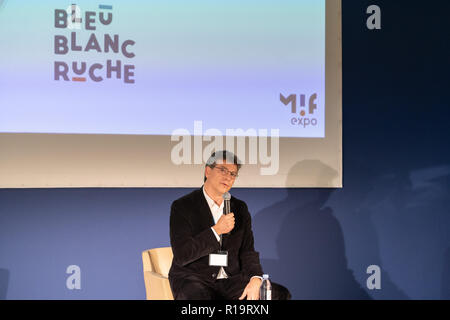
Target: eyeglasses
[(224, 171)]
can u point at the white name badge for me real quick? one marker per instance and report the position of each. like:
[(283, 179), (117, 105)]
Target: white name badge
[(219, 259)]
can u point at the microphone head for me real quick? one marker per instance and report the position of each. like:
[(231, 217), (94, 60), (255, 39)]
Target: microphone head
[(226, 196)]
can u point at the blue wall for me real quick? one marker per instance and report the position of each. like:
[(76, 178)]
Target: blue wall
[(393, 210)]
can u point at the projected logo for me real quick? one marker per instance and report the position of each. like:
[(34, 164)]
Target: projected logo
[(304, 112), (96, 45)]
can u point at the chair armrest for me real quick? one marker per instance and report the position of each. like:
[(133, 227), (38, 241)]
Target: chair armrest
[(157, 287)]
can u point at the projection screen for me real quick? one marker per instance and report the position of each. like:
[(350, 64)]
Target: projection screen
[(138, 94)]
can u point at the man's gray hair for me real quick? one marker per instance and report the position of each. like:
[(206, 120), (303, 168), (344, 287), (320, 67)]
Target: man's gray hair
[(223, 155)]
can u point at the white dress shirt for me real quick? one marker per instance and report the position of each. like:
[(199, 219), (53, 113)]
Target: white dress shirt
[(217, 212)]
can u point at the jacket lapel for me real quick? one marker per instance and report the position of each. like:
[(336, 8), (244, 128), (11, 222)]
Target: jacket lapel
[(206, 216)]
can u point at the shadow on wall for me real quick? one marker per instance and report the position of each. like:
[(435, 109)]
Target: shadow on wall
[(399, 223), (4, 281), (310, 248), (402, 221), (353, 206)]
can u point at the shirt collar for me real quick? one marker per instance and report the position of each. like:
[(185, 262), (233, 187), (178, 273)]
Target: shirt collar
[(210, 201)]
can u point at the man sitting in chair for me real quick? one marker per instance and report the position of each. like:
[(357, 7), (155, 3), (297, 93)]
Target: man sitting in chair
[(213, 253)]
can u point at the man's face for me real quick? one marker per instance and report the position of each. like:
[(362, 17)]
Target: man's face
[(219, 178)]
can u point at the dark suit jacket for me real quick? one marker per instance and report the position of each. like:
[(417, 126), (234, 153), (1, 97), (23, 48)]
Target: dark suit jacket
[(192, 241)]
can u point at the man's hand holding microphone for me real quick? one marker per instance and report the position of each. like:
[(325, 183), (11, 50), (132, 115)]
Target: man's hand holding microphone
[(225, 224)]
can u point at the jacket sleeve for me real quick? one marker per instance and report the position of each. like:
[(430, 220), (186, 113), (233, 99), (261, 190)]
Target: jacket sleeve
[(186, 246), (249, 258)]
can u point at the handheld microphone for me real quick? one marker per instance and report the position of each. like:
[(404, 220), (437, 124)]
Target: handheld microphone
[(226, 203)]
